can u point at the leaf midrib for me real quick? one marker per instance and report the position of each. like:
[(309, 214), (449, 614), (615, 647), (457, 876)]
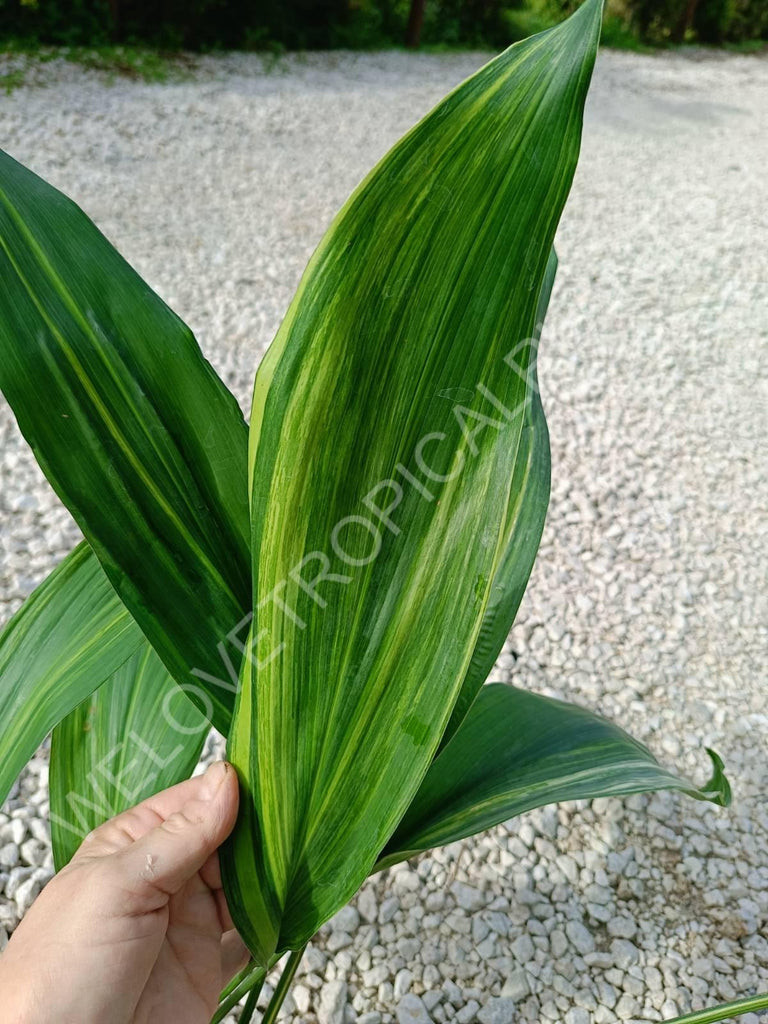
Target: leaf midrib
[(114, 431)]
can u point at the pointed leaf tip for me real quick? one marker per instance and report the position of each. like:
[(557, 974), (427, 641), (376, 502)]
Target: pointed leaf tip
[(399, 337), (517, 750), (718, 789)]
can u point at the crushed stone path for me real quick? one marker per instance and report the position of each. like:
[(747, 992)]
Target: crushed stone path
[(648, 602)]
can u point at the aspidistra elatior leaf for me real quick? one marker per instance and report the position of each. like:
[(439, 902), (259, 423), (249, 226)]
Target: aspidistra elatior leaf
[(136, 433), (515, 751), (385, 433), (69, 636), (134, 736), (525, 523)]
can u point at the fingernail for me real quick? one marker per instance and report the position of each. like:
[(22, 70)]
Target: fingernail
[(214, 776)]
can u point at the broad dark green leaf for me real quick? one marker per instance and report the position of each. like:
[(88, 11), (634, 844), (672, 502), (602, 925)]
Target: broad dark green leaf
[(515, 751), (524, 526), (137, 435), (134, 736), (385, 436), (68, 637)]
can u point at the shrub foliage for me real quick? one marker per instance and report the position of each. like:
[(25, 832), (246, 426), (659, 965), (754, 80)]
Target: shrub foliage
[(323, 24)]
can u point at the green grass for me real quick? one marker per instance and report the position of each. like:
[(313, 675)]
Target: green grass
[(145, 64), (747, 46), (116, 62), (11, 80)]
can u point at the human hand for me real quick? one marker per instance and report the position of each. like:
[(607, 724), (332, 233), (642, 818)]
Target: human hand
[(135, 930)]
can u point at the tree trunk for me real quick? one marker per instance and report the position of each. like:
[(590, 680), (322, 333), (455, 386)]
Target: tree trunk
[(685, 22), (415, 22)]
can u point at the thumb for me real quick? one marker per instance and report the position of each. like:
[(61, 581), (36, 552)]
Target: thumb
[(165, 858)]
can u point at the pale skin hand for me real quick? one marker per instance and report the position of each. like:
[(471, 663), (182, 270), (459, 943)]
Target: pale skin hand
[(135, 930)]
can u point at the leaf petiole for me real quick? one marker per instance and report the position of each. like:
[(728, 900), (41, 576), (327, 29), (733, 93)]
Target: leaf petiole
[(724, 1011), (251, 977), (250, 1004), (281, 991)]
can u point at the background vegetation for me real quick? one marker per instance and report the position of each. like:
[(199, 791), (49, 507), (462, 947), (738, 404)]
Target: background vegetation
[(321, 24)]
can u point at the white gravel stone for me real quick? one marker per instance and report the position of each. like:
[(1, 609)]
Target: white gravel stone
[(26, 894), (9, 915), (523, 949), (624, 953), (17, 830), (301, 997), (648, 599), (627, 1007), (367, 905), (346, 920), (467, 897), (622, 927), (16, 878), (9, 855), (388, 909), (497, 1011), (411, 1010), (516, 986), (403, 982), (468, 1011), (338, 940), (34, 853), (580, 937), (333, 998), (576, 1015)]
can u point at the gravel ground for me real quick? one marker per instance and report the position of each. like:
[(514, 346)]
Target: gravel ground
[(648, 600)]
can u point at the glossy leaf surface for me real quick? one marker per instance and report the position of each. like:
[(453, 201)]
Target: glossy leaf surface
[(136, 433), (525, 523), (385, 435), (517, 750), (69, 636), (134, 736)]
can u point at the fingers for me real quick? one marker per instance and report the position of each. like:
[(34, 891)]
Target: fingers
[(210, 873), (234, 955), (225, 918), (164, 858), (126, 828)]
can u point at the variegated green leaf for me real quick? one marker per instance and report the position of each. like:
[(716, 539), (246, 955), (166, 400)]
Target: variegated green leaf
[(385, 436), (67, 638), (134, 736), (136, 433), (524, 526), (515, 751)]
